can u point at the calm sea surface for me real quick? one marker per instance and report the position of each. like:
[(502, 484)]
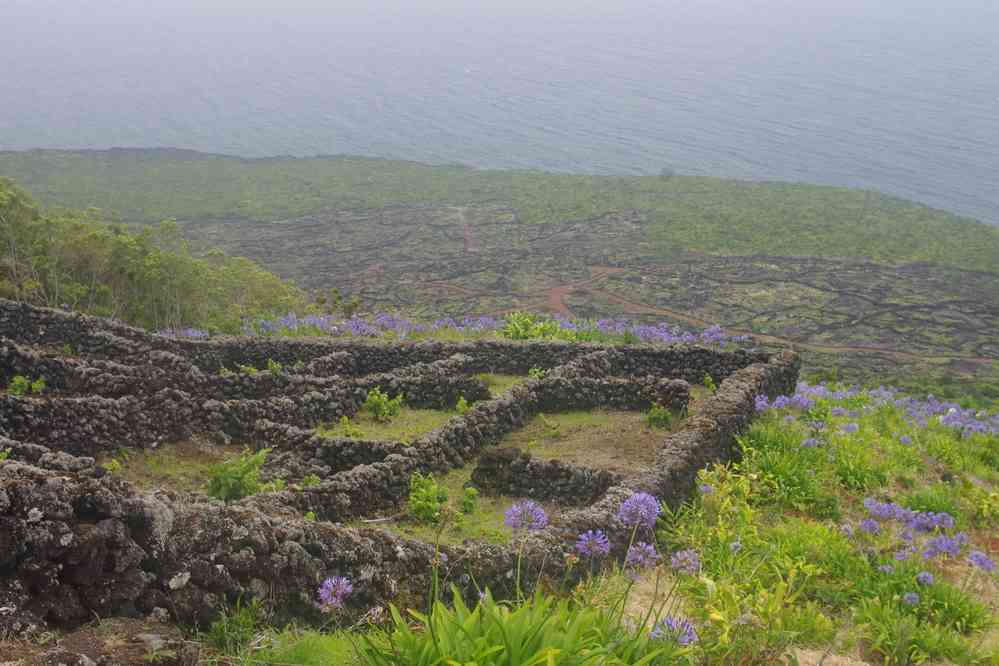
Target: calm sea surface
[(896, 95)]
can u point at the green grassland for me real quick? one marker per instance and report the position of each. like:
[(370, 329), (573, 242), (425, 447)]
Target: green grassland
[(687, 213)]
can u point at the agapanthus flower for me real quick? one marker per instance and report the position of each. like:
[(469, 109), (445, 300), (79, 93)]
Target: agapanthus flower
[(945, 545), (686, 561), (593, 543), (333, 592), (678, 629), (982, 561), (838, 411), (910, 599), (924, 578), (870, 526), (706, 488), (905, 439), (762, 403), (811, 443), (641, 555), (850, 428), (735, 546), (903, 555), (639, 510), (526, 515), (886, 569)]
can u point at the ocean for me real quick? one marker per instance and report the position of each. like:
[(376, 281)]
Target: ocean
[(900, 96)]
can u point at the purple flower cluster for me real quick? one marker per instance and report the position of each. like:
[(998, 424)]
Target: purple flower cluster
[(641, 555), (333, 592), (676, 629), (924, 578), (593, 543), (982, 561), (920, 521), (639, 510), (686, 561), (526, 515), (945, 545)]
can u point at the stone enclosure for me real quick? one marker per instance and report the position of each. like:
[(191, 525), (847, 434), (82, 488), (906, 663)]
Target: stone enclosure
[(77, 541)]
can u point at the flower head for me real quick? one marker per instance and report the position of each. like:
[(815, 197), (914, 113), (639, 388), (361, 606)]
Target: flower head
[(526, 515), (924, 578), (593, 543), (886, 568), (641, 555), (735, 546), (706, 488), (910, 599), (686, 561), (639, 510), (678, 629), (851, 428), (333, 592), (870, 526), (982, 561)]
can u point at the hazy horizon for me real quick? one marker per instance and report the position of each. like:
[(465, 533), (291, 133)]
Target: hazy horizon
[(898, 96)]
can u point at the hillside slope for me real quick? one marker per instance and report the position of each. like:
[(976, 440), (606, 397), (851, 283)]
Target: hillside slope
[(704, 214)]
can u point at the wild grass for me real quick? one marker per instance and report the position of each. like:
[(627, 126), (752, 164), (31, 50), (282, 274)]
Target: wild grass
[(409, 424)]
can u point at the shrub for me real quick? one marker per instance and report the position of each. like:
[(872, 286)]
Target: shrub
[(709, 384), (310, 516), (247, 369), (537, 373), (462, 405), (380, 406), (659, 417), (4, 454), (469, 499), (113, 466), (274, 367), (21, 385), (310, 480), (239, 477), (349, 429), (427, 498)]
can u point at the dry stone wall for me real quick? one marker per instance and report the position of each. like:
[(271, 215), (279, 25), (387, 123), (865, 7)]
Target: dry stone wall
[(76, 541)]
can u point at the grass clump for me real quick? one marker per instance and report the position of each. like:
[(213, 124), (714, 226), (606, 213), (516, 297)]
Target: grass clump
[(659, 417), (408, 425)]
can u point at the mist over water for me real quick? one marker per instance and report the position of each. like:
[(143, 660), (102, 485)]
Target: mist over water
[(900, 96)]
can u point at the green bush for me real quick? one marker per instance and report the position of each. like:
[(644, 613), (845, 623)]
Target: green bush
[(537, 373), (112, 466), (274, 367), (21, 385), (660, 417), (4, 454), (427, 498), (380, 406), (462, 405), (310, 480), (247, 369), (709, 384), (239, 477), (469, 500)]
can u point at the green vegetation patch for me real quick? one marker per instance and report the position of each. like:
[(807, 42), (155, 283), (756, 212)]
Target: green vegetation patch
[(499, 383), (406, 426), (619, 441), (185, 465), (696, 213)]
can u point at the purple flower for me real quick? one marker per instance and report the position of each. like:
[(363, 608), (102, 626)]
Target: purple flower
[(945, 545), (639, 510), (924, 578), (735, 546), (333, 592), (870, 526), (838, 411), (706, 488), (886, 569), (810, 443), (686, 561), (678, 629), (762, 403), (641, 555), (910, 599), (905, 439), (982, 561), (789, 418), (593, 543), (526, 515), (903, 555), (850, 428)]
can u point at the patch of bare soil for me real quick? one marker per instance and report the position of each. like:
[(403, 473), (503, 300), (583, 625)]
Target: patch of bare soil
[(116, 641)]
